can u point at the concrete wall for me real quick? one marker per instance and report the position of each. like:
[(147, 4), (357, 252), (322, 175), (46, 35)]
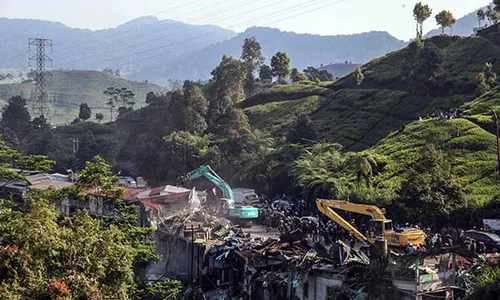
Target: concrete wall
[(176, 253)]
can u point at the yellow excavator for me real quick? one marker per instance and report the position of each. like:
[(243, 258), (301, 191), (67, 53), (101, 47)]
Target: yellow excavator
[(383, 226)]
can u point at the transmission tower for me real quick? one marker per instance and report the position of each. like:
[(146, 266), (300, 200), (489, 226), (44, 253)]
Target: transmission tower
[(42, 47)]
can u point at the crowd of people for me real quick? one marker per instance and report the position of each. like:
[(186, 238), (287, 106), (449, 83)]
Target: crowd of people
[(288, 215), (292, 215)]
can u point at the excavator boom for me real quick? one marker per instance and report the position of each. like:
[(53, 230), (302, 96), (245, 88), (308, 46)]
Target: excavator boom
[(208, 173), (399, 239), (240, 213), (370, 210), (324, 206)]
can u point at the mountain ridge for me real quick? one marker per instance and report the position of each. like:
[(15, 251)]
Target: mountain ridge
[(146, 48), (360, 47)]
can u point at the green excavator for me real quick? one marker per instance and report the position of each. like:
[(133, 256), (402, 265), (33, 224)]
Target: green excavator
[(239, 214)]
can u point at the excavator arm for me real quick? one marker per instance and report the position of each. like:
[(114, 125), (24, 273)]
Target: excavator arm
[(370, 210), (208, 173), (325, 207)]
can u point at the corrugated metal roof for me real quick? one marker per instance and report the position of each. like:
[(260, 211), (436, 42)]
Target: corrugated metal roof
[(54, 184)]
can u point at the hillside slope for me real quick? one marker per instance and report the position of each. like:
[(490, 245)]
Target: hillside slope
[(68, 89), (358, 117), (303, 49), (367, 118), (469, 149), (340, 69)]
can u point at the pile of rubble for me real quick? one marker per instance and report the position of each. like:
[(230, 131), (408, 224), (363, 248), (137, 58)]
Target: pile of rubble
[(247, 265)]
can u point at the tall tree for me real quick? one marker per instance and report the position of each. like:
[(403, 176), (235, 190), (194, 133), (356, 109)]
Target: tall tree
[(497, 5), (227, 87), (297, 76), (113, 97), (492, 13), (97, 176), (99, 117), (431, 189), (196, 108), (252, 60), (266, 74), (280, 65), (445, 19), (15, 116), (85, 112), (427, 67), (318, 75), (127, 97), (302, 131), (480, 16), (421, 13), (188, 108)]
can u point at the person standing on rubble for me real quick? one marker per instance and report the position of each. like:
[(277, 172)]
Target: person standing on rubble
[(268, 222), (281, 226), (352, 241), (410, 249)]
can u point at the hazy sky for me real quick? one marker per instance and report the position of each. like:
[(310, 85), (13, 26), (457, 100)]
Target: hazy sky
[(340, 17)]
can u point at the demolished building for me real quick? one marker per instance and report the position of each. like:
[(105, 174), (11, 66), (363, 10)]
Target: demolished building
[(228, 263)]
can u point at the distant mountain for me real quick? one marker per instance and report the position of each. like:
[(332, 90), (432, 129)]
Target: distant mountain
[(463, 27), (303, 49), (109, 48), (340, 69), (149, 49), (68, 89)]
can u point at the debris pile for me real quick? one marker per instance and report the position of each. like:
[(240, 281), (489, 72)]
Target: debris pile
[(234, 262)]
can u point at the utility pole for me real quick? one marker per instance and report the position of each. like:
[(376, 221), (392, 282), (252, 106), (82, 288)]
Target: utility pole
[(42, 47), (75, 144)]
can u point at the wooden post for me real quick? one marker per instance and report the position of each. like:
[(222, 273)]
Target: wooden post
[(192, 253), (417, 277), (453, 266)]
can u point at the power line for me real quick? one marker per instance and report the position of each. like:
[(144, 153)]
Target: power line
[(195, 37), (178, 32), (139, 27), (238, 24), (303, 13), (14, 57), (97, 31)]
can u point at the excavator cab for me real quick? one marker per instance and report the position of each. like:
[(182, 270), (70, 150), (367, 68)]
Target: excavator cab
[(379, 228)]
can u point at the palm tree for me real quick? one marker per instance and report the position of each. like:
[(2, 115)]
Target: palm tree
[(318, 169), (445, 19), (421, 13), (480, 16)]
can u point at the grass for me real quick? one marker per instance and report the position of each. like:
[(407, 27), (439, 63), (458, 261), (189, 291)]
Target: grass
[(366, 117), (469, 149), (277, 93), (274, 117)]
